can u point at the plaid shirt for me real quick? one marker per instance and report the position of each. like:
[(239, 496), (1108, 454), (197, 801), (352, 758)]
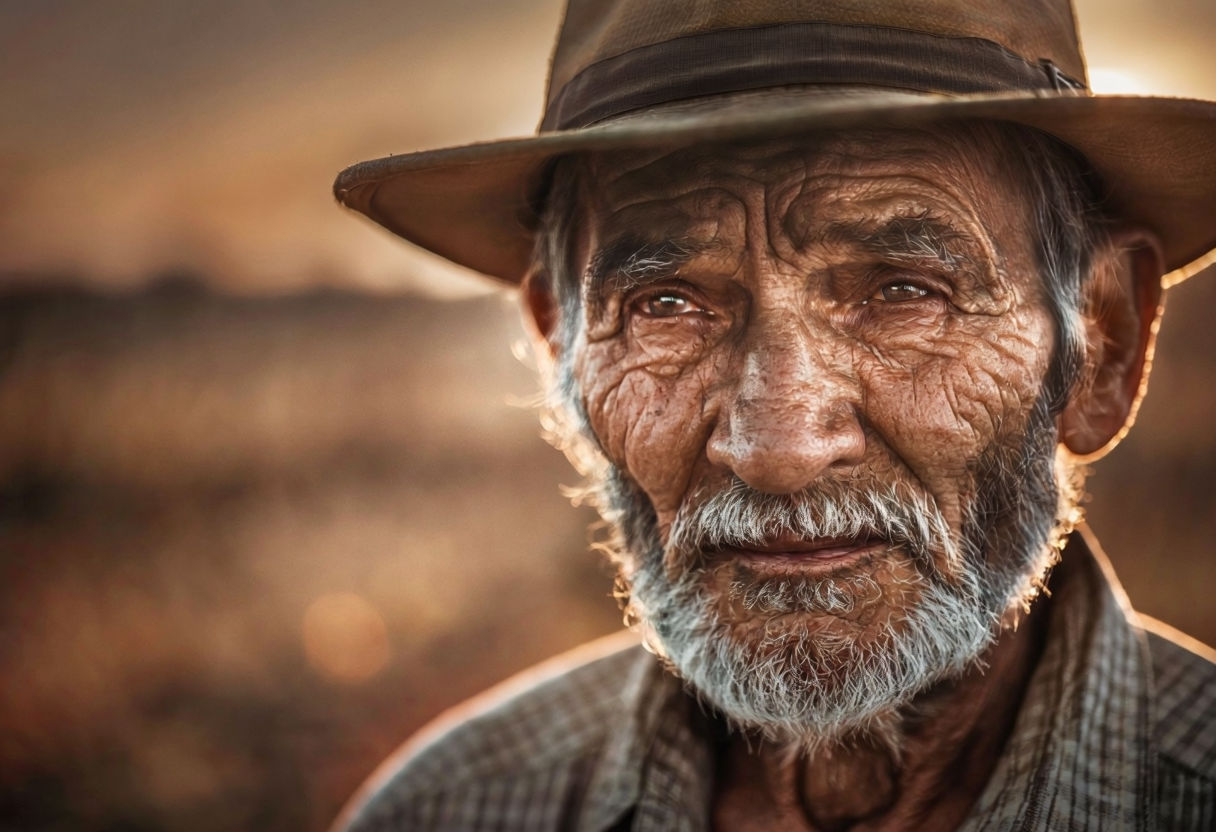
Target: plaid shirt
[(1116, 732)]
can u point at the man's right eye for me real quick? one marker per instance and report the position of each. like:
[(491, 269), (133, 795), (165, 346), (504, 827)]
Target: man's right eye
[(667, 305)]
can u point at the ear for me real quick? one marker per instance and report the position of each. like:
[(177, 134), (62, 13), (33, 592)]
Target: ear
[(1121, 310), (541, 311)]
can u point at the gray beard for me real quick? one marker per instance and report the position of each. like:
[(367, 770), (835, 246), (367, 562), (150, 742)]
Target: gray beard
[(789, 672)]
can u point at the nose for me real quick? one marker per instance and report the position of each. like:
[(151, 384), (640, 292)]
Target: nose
[(790, 416)]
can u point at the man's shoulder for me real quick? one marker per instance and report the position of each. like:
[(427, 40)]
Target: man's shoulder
[(543, 724), (1184, 676)]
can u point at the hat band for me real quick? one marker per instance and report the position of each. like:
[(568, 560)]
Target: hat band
[(737, 60)]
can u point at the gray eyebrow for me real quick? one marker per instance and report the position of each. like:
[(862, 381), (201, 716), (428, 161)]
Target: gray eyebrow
[(912, 238), (631, 261)]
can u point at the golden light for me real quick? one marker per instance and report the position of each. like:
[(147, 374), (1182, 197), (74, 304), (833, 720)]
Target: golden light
[(1106, 81), (345, 638)]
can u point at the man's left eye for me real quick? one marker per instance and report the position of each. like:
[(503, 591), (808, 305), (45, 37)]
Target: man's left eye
[(898, 292)]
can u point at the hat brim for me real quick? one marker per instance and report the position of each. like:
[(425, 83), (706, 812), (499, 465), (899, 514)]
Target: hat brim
[(474, 204)]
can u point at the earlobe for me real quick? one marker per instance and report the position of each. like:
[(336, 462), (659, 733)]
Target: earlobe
[(1122, 306)]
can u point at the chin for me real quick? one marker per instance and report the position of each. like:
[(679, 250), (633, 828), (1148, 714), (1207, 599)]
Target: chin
[(808, 677)]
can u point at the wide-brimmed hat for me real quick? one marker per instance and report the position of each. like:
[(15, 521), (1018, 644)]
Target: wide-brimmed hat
[(647, 73)]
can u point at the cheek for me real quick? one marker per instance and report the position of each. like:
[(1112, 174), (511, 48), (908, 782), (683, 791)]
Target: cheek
[(649, 415), (939, 406)]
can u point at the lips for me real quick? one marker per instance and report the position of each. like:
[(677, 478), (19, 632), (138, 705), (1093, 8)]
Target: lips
[(794, 554)]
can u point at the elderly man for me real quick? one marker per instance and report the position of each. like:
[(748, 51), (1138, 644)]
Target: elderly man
[(835, 298)]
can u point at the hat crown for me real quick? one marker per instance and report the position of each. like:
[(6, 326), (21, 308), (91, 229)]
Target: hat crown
[(595, 32)]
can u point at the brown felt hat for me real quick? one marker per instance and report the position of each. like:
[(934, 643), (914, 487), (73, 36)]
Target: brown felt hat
[(639, 73)]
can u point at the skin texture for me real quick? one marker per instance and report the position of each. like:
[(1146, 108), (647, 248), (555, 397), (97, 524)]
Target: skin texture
[(865, 308), (776, 355)]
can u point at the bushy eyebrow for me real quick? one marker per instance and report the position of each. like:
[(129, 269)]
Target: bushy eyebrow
[(912, 238), (631, 261)]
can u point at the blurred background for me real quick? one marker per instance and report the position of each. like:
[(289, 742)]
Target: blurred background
[(271, 494)]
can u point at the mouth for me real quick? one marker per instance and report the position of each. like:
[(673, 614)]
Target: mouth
[(794, 555)]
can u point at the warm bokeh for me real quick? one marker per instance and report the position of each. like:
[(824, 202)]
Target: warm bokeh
[(271, 493)]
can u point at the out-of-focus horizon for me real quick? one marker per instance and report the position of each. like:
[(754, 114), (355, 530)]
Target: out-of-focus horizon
[(271, 494), (156, 136)]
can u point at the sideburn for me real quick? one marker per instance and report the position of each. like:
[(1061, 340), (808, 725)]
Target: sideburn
[(1023, 508)]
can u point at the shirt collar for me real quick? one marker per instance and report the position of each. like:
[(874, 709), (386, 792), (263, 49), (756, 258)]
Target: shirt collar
[(657, 768), (1081, 750)]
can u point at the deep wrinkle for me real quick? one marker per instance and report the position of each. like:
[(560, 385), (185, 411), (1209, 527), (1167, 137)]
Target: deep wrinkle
[(951, 256)]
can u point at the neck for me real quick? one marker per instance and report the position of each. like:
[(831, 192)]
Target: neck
[(924, 772)]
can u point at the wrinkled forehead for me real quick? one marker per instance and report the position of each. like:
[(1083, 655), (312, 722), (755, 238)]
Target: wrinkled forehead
[(964, 171)]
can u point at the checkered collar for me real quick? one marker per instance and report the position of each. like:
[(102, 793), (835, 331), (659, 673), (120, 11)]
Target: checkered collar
[(1081, 752)]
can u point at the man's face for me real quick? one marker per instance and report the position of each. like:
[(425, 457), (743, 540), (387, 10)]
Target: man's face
[(817, 373)]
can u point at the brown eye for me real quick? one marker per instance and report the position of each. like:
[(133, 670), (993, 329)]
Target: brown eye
[(667, 305), (899, 293)]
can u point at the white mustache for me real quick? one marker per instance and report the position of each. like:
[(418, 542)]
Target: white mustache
[(740, 516)]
